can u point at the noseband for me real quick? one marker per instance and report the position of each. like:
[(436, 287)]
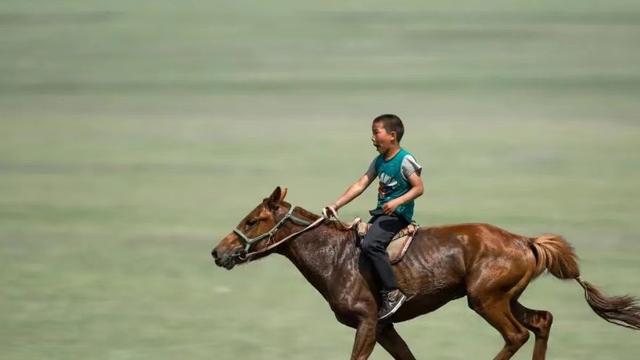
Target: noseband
[(249, 242)]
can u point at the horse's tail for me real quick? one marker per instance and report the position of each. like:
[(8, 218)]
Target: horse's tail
[(556, 255)]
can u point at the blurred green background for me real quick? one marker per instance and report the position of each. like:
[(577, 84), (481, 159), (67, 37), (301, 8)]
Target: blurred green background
[(134, 135)]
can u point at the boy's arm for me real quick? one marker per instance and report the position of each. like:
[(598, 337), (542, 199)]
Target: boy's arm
[(417, 188), (353, 191)]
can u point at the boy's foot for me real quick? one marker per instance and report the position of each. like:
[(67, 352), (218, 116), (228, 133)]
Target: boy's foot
[(391, 302)]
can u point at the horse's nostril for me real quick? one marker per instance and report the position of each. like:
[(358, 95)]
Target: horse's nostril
[(214, 253)]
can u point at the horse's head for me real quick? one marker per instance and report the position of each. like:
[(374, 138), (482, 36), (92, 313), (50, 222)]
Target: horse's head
[(253, 233)]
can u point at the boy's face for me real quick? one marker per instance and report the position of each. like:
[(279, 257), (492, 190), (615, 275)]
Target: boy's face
[(382, 140)]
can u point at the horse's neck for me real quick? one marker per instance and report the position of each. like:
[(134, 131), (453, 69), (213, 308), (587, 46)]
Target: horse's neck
[(319, 253)]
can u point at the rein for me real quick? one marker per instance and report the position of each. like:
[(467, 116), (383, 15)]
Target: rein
[(248, 242)]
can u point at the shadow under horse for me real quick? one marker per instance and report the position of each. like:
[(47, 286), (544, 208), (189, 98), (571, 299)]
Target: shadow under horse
[(491, 266)]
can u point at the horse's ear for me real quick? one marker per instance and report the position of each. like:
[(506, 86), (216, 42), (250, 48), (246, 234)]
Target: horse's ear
[(274, 198)]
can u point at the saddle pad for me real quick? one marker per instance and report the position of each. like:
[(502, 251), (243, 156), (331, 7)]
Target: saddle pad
[(398, 245)]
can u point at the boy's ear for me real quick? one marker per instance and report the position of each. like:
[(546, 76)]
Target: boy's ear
[(276, 197)]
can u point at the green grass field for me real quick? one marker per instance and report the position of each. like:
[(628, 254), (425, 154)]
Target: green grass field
[(135, 135)]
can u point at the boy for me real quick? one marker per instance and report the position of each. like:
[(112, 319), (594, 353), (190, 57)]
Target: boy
[(400, 183)]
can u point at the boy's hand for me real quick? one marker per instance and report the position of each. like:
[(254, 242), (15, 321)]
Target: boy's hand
[(390, 206), (329, 211)]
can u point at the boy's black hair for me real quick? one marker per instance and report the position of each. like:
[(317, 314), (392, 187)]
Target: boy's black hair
[(391, 123)]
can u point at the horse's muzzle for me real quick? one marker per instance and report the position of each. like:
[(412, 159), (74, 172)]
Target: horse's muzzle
[(227, 260)]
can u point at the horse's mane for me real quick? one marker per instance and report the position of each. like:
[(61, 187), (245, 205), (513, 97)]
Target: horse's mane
[(308, 215)]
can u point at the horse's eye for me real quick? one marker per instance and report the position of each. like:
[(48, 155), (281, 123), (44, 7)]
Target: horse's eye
[(251, 222)]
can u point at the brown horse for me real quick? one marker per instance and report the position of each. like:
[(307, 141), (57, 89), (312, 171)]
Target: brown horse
[(490, 266)]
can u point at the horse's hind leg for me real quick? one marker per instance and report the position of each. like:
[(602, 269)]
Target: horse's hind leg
[(539, 322), (388, 337), (497, 312)]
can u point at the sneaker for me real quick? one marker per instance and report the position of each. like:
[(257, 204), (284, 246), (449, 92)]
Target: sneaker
[(391, 302)]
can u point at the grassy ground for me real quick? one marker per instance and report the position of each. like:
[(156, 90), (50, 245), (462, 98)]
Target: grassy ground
[(134, 136)]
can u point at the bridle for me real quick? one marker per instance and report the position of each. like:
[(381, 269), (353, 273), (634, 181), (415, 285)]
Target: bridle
[(249, 242)]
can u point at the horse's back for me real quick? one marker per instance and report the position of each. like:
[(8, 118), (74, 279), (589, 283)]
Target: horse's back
[(477, 239), (491, 255), (447, 256)]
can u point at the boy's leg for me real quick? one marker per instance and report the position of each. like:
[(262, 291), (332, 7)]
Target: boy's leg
[(374, 247)]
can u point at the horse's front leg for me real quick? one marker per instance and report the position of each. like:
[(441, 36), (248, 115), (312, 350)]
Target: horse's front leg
[(391, 341), (365, 339)]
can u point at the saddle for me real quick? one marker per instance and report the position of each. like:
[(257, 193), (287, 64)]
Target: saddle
[(398, 245)]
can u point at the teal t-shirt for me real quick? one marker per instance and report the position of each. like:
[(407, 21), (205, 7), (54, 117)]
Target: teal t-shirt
[(393, 175)]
